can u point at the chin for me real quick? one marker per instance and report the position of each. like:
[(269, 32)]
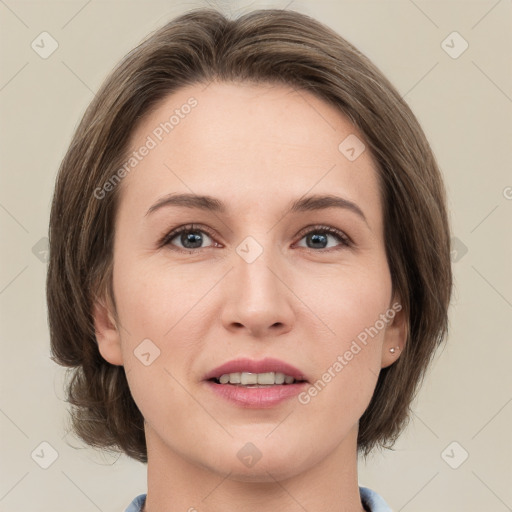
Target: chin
[(262, 473), (260, 461)]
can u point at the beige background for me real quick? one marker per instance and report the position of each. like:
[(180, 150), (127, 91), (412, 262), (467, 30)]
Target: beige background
[(465, 107)]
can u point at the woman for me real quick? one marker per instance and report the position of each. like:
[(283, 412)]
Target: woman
[(249, 264)]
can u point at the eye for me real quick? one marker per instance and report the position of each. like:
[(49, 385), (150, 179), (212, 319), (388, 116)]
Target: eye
[(318, 237), (190, 237)]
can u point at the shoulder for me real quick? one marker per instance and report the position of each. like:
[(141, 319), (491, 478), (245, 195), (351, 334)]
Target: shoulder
[(137, 504), (372, 501)]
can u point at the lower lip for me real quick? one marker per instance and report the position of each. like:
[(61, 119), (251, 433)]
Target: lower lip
[(257, 398)]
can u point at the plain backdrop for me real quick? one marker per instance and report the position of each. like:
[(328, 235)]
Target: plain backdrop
[(451, 61)]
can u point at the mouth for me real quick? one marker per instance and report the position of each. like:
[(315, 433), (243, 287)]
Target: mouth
[(256, 380), (251, 384), (250, 373)]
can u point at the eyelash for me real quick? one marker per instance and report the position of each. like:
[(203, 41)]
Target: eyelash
[(166, 239)]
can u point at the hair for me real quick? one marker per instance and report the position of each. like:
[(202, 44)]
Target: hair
[(267, 46)]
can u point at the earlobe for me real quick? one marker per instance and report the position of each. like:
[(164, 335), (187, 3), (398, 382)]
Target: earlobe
[(107, 334), (395, 339)]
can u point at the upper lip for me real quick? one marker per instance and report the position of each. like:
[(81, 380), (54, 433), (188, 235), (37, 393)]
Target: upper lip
[(268, 364)]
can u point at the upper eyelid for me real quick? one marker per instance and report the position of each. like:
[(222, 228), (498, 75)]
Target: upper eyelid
[(345, 239), (329, 229)]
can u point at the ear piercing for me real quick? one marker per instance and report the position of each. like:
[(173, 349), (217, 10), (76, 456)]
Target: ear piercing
[(393, 349)]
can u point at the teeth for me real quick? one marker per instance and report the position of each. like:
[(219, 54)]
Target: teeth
[(280, 378), (224, 379), (246, 378)]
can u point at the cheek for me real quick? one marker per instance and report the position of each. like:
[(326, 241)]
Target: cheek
[(152, 299), (347, 362), (349, 331), (161, 331), (154, 315), (349, 300)]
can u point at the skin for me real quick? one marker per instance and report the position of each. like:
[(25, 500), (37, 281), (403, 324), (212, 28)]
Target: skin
[(256, 148)]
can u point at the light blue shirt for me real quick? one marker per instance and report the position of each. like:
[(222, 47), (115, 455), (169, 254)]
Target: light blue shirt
[(370, 500)]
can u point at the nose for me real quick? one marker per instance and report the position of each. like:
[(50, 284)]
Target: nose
[(258, 297)]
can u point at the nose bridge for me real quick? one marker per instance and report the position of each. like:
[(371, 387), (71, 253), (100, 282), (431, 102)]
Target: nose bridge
[(256, 265), (259, 297)]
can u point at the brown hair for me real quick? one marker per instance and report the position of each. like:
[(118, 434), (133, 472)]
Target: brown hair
[(264, 46)]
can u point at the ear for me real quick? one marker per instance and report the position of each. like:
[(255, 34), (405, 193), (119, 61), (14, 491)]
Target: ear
[(395, 336), (107, 333)]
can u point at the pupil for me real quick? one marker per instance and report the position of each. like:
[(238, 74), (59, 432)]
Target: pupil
[(191, 237), (318, 238)]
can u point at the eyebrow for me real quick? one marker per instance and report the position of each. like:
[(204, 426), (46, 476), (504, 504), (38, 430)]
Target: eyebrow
[(303, 204)]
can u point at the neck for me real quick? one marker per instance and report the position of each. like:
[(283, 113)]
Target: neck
[(176, 482)]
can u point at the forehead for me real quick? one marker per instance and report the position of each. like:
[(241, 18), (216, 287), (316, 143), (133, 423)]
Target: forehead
[(249, 145)]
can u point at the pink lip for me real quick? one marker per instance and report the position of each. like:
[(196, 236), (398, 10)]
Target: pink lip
[(250, 365), (256, 398)]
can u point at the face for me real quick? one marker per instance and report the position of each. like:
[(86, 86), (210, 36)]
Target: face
[(309, 286)]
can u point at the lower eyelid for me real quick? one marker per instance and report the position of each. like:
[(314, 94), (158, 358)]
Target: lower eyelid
[(166, 240), (343, 240)]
